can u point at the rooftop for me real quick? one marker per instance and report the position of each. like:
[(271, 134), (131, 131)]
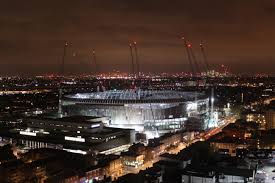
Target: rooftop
[(131, 96), (72, 119)]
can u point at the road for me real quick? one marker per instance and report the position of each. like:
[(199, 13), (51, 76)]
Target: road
[(216, 130), (181, 146)]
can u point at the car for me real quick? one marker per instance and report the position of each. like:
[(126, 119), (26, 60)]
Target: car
[(273, 178)]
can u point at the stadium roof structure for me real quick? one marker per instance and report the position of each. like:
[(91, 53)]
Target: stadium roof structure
[(135, 96)]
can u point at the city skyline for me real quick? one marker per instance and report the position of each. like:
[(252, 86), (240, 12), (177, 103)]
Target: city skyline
[(236, 33), (137, 91)]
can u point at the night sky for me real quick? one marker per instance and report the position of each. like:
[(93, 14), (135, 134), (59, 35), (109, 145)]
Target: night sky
[(237, 33)]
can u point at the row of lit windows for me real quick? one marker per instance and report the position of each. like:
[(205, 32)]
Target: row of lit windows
[(61, 125)]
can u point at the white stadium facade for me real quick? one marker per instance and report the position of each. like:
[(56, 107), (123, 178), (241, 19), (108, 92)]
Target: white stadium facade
[(149, 111)]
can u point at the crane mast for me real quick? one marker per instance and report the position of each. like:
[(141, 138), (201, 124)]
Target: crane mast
[(95, 61), (188, 56), (132, 59), (204, 56), (63, 59), (197, 67), (137, 59)]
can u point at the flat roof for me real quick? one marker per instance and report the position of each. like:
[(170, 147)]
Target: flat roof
[(59, 139), (207, 171), (73, 119)]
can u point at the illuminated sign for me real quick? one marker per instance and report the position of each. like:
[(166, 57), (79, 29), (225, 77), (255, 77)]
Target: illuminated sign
[(27, 133), (76, 139), (75, 151), (95, 126)]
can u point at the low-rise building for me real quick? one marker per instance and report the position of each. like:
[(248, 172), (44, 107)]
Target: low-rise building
[(230, 144), (193, 175), (217, 174), (76, 134), (131, 159), (255, 116)]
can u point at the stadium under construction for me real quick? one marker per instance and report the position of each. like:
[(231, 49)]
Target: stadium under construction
[(151, 112)]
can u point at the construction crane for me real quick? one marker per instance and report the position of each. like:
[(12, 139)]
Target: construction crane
[(211, 120), (204, 56), (95, 62), (62, 72), (137, 59), (188, 56), (197, 66), (132, 59), (63, 58)]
